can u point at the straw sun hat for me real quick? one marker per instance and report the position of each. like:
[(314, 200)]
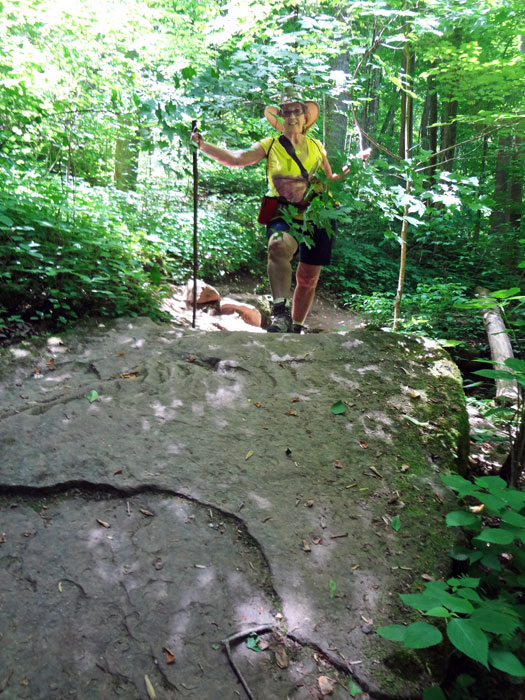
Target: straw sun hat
[(311, 111)]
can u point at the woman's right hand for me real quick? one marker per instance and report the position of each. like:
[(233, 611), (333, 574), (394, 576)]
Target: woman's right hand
[(196, 137)]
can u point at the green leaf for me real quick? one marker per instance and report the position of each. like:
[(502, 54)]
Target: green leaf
[(506, 661), (92, 396), (491, 483), (495, 535), (493, 503), (252, 642), (420, 635), (338, 407), (395, 523), (513, 518), (461, 518), (458, 604), (332, 588), (505, 293), (354, 688), (466, 581), (422, 601), (438, 612), (494, 374), (459, 484), (469, 594), (515, 364), (434, 693), (490, 620), (469, 639), (395, 633)]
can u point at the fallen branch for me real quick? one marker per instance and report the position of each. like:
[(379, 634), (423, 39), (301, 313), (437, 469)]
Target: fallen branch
[(500, 346), (237, 637)]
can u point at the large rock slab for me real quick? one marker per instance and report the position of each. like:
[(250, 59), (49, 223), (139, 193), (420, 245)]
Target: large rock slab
[(206, 487)]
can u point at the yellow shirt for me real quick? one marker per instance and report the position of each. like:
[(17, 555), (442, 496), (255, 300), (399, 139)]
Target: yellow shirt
[(280, 163)]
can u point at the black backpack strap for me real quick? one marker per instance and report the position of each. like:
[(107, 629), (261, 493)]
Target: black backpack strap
[(288, 147), (267, 157)]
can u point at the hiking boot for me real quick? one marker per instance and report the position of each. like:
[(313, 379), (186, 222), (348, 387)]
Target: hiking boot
[(298, 328), (281, 319)]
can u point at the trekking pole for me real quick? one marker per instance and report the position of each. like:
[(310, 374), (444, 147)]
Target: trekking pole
[(195, 207)]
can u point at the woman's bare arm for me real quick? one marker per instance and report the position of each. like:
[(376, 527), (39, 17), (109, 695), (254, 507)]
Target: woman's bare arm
[(328, 170), (233, 159)]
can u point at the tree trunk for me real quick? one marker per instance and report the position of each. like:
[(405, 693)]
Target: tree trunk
[(448, 134), (126, 157), (499, 218), (514, 465), (336, 113), (477, 227), (432, 128), (516, 183), (407, 108), (500, 346)]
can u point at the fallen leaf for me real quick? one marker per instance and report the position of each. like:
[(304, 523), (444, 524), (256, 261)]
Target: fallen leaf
[(373, 469), (477, 509), (149, 687), (363, 444), (121, 354), (354, 567), (27, 534), (353, 687), (338, 408), (332, 587), (309, 503), (252, 642), (405, 467), (281, 657), (337, 464), (103, 523), (326, 686), (147, 512), (295, 399), (306, 546), (351, 486), (200, 566), (317, 540), (129, 375), (92, 396), (365, 619), (258, 404), (191, 358), (119, 471), (3, 538), (415, 395), (291, 413), (60, 586), (322, 522), (170, 656), (427, 577), (249, 454)]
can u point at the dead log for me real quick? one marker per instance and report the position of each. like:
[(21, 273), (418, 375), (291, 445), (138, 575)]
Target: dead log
[(500, 346)]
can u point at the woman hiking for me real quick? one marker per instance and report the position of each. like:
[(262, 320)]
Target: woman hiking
[(293, 160)]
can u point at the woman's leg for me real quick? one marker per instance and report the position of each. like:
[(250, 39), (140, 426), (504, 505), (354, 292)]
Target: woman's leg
[(281, 249), (306, 277)]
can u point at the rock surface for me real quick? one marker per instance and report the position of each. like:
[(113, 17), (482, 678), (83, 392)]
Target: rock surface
[(164, 489)]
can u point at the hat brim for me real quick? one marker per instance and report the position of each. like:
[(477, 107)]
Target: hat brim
[(312, 111)]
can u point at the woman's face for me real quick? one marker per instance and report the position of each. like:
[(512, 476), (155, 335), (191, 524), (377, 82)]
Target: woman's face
[(293, 115)]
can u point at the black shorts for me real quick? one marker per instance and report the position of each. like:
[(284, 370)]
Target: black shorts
[(321, 251)]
